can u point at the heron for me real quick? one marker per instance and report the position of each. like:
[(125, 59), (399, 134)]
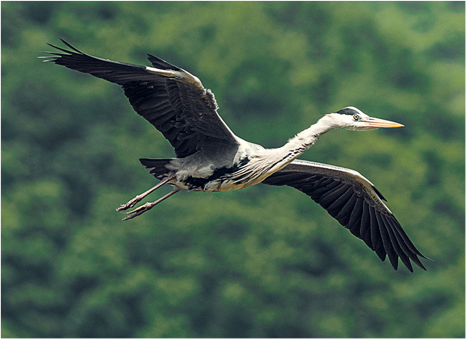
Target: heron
[(211, 158)]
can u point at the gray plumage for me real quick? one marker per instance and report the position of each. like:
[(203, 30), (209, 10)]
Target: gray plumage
[(210, 158)]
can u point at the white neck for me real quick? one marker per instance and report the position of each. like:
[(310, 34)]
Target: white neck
[(305, 139), (278, 158), (265, 162)]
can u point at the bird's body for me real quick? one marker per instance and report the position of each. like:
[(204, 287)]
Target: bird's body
[(243, 163), (211, 158)]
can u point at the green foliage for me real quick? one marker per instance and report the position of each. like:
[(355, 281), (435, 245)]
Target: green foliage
[(263, 262)]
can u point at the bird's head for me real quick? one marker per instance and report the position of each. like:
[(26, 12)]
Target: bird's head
[(353, 119)]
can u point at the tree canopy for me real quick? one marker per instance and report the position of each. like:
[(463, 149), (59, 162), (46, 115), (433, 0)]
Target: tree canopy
[(260, 262)]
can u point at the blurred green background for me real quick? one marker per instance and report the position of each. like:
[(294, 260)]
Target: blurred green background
[(262, 262)]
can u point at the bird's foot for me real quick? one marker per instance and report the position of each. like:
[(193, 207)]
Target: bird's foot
[(138, 211), (147, 206), (141, 196), (130, 203)]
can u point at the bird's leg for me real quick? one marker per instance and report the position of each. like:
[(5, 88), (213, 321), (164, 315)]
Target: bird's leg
[(139, 197), (148, 205)]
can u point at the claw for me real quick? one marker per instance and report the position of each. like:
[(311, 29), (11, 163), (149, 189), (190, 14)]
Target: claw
[(138, 211), (139, 197), (129, 204), (148, 205)]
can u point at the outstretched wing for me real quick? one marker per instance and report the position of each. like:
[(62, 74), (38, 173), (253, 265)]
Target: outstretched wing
[(170, 98), (355, 203)]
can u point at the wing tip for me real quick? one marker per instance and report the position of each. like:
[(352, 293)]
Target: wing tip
[(407, 262)]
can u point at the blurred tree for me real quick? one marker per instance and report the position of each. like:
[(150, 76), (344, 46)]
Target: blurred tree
[(263, 262)]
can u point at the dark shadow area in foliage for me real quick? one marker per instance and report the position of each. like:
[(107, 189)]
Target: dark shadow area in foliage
[(155, 250), (413, 6), (424, 25), (432, 304), (119, 318), (26, 270), (3, 72), (9, 28), (58, 129), (285, 331), (234, 322), (447, 208), (40, 12), (81, 198), (324, 260), (371, 321), (314, 20), (79, 285), (200, 318), (46, 127), (207, 33), (37, 230), (377, 159), (162, 7), (323, 90), (249, 105), (443, 126), (231, 229), (230, 322), (245, 96), (406, 75), (457, 4), (433, 169), (7, 178), (138, 26), (203, 310), (451, 49), (361, 37), (97, 11)]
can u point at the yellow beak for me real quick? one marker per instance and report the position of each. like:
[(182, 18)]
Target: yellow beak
[(380, 123)]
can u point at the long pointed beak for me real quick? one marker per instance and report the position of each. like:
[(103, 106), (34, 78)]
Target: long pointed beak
[(380, 123)]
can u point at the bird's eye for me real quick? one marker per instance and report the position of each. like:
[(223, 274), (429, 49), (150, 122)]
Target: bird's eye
[(356, 117)]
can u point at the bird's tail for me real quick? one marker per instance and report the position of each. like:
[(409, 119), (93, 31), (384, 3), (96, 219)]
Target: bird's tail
[(157, 167)]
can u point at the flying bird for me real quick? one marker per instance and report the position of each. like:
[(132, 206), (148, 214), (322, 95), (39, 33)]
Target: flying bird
[(211, 158)]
